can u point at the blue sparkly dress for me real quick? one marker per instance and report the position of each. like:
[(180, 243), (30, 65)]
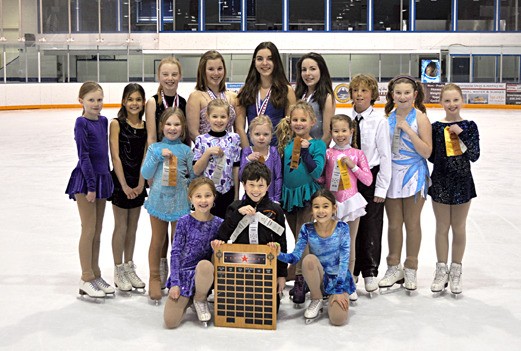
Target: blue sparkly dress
[(168, 203), (452, 182), (332, 252)]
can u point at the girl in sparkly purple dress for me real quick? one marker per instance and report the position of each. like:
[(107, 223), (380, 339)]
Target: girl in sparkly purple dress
[(191, 273), (455, 144), (90, 185)]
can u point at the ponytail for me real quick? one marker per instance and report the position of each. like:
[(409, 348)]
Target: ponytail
[(417, 87), (284, 134)]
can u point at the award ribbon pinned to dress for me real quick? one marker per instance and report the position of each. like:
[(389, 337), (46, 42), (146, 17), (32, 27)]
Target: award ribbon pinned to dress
[(340, 172), (295, 153), (169, 176), (453, 145), (219, 170)]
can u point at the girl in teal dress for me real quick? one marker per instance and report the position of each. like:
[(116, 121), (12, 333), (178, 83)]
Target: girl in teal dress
[(303, 163)]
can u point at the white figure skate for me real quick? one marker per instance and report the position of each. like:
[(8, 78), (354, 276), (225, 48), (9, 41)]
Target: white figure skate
[(203, 313), (121, 281), (455, 279), (315, 309), (137, 284), (393, 275), (410, 280), (441, 278), (105, 287), (90, 292), (371, 285)]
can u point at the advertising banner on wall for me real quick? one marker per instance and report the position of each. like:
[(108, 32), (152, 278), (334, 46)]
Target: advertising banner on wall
[(484, 93), (513, 94)]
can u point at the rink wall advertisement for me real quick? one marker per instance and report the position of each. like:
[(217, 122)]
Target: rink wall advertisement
[(473, 93)]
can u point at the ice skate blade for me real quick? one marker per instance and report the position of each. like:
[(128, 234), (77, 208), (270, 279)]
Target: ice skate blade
[(205, 324), (311, 320), (90, 299), (456, 296), (410, 292), (139, 291), (390, 289), (437, 294), (372, 294), (124, 293), (353, 302), (154, 302)]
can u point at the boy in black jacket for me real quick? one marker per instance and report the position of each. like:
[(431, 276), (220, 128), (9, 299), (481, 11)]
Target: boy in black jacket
[(256, 178)]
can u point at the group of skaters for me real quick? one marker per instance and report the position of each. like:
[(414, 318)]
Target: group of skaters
[(328, 176)]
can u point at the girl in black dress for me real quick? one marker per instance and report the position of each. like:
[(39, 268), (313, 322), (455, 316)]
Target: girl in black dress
[(455, 143), (128, 138)]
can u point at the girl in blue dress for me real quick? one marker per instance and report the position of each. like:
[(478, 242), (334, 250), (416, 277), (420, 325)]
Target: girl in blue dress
[(326, 268), (169, 164), (455, 144), (411, 144)]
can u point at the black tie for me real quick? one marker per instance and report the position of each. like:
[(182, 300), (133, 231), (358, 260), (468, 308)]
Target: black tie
[(358, 138)]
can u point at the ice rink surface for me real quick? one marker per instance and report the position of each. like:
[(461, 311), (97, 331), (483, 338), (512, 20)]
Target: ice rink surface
[(40, 267)]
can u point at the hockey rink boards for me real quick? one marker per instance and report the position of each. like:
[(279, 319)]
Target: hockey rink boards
[(245, 287)]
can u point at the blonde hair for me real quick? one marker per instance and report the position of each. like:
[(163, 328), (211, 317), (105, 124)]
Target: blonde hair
[(169, 112), (260, 120), (166, 60), (284, 132), (450, 86), (218, 103), (200, 181), (88, 87)]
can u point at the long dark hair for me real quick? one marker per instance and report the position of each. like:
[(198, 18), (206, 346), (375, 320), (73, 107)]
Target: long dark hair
[(350, 124), (323, 192), (416, 85), (201, 83), (324, 85), (279, 82), (129, 90)]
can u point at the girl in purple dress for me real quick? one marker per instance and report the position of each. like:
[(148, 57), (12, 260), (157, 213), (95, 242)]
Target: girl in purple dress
[(217, 155), (261, 130), (90, 185), (191, 274)]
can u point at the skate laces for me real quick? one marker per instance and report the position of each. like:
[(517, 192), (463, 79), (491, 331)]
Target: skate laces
[(410, 274), (440, 275), (92, 285), (101, 283), (315, 304), (201, 308), (391, 272)]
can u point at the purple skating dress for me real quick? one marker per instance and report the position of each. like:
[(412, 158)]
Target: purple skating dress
[(191, 244), (92, 173)]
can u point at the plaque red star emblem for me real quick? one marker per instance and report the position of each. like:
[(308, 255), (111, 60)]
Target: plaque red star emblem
[(244, 258)]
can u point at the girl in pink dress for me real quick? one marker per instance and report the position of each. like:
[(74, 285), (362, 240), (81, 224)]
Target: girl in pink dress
[(344, 166)]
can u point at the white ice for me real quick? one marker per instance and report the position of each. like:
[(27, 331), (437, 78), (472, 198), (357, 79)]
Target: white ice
[(40, 267)]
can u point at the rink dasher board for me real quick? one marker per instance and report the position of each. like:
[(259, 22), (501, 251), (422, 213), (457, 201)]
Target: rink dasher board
[(245, 287)]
